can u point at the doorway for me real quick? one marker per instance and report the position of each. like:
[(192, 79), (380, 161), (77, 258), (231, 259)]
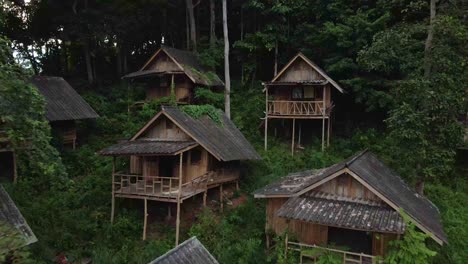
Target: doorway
[(7, 166), (352, 240)]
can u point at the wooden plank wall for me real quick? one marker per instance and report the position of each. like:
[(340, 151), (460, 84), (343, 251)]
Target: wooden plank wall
[(277, 224), (380, 243), (347, 186), (299, 70), (163, 128), (163, 63)]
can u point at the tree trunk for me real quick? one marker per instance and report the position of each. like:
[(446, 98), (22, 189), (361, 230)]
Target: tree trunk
[(227, 77), (89, 66), (193, 30), (212, 24), (430, 37)]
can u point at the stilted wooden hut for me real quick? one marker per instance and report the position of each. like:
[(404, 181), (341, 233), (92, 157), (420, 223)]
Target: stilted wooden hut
[(13, 225), (175, 157), (182, 70), (191, 251), (354, 204), (300, 91), (64, 106)]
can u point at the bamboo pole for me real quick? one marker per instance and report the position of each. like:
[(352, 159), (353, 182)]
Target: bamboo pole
[(293, 134), (113, 191), (178, 199), (266, 117), (145, 221), (221, 197)]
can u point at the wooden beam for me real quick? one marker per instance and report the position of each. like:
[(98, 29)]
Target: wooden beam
[(324, 110), (221, 197), (145, 221), (293, 134), (328, 132), (113, 191), (204, 198), (266, 117), (178, 199)]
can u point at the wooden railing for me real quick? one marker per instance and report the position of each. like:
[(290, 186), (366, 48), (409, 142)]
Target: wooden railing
[(297, 108), (313, 253), (156, 185)]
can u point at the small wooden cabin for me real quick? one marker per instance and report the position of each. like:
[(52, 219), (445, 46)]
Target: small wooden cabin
[(13, 224), (191, 251), (354, 204), (64, 106), (175, 157), (301, 90), (170, 67)]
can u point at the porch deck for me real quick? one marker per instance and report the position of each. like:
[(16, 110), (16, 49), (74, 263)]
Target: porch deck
[(312, 253), (167, 188), (297, 109)]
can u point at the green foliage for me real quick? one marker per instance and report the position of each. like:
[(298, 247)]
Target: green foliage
[(11, 245), (198, 111), (412, 248), (207, 96)]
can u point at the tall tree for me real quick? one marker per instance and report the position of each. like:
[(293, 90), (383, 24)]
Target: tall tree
[(193, 29), (212, 24), (227, 77), (430, 37)]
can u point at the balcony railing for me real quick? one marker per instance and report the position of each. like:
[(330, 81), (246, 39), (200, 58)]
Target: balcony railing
[(168, 187), (297, 108), (313, 253)]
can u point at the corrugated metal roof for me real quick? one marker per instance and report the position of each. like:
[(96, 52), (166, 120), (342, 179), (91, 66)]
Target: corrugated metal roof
[(380, 177), (339, 212), (146, 147), (191, 67), (224, 141), (63, 102), (190, 251), (10, 215)]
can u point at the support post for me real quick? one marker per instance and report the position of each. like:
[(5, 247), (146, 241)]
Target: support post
[(178, 199), (145, 221), (293, 134), (324, 111), (286, 247), (221, 197), (237, 185), (113, 191), (204, 198), (15, 168), (328, 131), (169, 212), (266, 117)]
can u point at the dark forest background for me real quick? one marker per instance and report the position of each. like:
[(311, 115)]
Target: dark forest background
[(404, 70)]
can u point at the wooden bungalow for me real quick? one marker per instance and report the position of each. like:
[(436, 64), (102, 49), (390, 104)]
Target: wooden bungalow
[(13, 224), (301, 90), (175, 157), (191, 251), (354, 204), (182, 70), (64, 106)]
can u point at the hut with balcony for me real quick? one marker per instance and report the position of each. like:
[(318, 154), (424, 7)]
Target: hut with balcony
[(64, 106), (354, 204), (175, 157), (302, 91), (173, 69)]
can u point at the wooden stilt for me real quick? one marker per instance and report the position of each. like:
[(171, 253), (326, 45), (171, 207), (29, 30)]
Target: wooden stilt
[(113, 191), (15, 168), (178, 199), (286, 246), (266, 117), (145, 221), (169, 212), (299, 138), (237, 185), (324, 112), (221, 197), (205, 194), (293, 134), (328, 131), (323, 134)]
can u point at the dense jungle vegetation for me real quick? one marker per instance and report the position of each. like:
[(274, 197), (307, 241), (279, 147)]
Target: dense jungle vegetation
[(405, 97)]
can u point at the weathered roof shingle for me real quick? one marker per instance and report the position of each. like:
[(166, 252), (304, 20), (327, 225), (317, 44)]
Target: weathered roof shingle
[(190, 251), (147, 147), (11, 216), (62, 101)]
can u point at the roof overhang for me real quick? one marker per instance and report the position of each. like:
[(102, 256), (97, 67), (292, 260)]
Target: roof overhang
[(148, 148)]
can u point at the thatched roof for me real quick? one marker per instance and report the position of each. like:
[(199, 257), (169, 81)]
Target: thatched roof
[(224, 141), (62, 101), (186, 61), (191, 251)]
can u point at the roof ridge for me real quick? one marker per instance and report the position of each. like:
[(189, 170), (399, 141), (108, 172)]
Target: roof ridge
[(356, 157)]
